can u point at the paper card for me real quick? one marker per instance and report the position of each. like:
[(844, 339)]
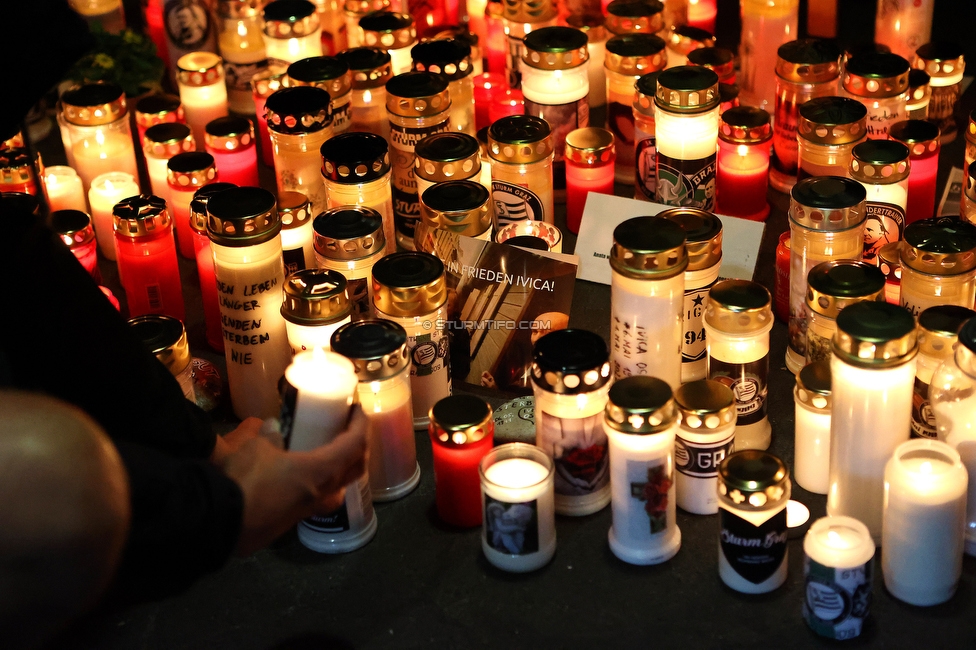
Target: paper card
[(950, 206), (740, 239)]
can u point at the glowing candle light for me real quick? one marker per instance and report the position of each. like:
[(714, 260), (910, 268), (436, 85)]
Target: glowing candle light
[(924, 144), (74, 227), (451, 58), (241, 46), (354, 11), (590, 156), (203, 92), (521, 151), (263, 85), (205, 263), (461, 434), (744, 141), (185, 174), (811, 456), (158, 109), (701, 14), (371, 68), (62, 185), (230, 140), (828, 129), (393, 32), (832, 286), (350, 240), (596, 44), (937, 328), (299, 122), (938, 264), (904, 26), (705, 437), (107, 190), (766, 24), (878, 80), (162, 142), (315, 305), (292, 32), (487, 86)]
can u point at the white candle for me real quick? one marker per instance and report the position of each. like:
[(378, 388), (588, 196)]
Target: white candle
[(519, 531), (924, 517), (105, 152), (107, 190), (63, 187), (811, 457), (203, 92), (706, 436)]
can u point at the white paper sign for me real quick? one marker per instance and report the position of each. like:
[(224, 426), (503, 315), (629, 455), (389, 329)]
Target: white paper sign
[(740, 238)]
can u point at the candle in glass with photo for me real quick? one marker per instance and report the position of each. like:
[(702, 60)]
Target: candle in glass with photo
[(705, 437), (315, 305), (461, 434), (393, 32), (162, 142), (74, 228), (371, 68), (938, 264), (331, 74), (882, 167), (203, 92), (744, 141), (205, 263), (299, 122), (292, 32), (645, 139), (63, 189), (827, 130), (811, 447), (923, 141), (241, 45), (451, 58), (350, 240), (590, 154), (158, 108), (521, 151), (185, 174), (230, 140), (766, 24), (106, 191), (165, 338)]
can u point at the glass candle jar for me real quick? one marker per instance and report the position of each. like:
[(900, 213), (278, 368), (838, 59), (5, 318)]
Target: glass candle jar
[(520, 19), (106, 191), (354, 11), (555, 83), (811, 446), (570, 379), (230, 140), (744, 141), (299, 122), (872, 375), (717, 59), (925, 486), (487, 87), (648, 259), (409, 289), (74, 228), (682, 40), (827, 130), (903, 26), (162, 142), (459, 207), (686, 123), (826, 223), (263, 85), (331, 74), (880, 82), (241, 44), (645, 139), (591, 24), (446, 157), (165, 338), (640, 425), (753, 490), (158, 108), (630, 17), (521, 151), (882, 168), (923, 141), (393, 32), (418, 104), (292, 32), (766, 24), (315, 305), (205, 263), (832, 286), (937, 336), (628, 57), (99, 137), (451, 58), (738, 318), (146, 250), (297, 250), (945, 65), (919, 94), (703, 245), (371, 68), (590, 154), (185, 174), (805, 69), (63, 189), (244, 229), (332, 22), (203, 91), (938, 264), (889, 261), (705, 437), (462, 430), (20, 171), (350, 240)]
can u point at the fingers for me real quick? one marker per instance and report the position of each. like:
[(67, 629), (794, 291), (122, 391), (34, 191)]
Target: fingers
[(342, 461), (331, 502), (246, 430)]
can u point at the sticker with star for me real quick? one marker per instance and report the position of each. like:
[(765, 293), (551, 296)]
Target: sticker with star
[(693, 344)]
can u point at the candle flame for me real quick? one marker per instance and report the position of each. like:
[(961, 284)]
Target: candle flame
[(925, 468), (367, 96), (581, 401), (832, 537), (241, 29), (374, 386), (51, 179), (318, 355), (108, 186), (743, 149)]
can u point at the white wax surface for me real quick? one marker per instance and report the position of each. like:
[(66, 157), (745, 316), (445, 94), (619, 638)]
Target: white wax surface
[(106, 191), (554, 87), (102, 152), (839, 542), (64, 189), (202, 105), (811, 460), (326, 384), (515, 473), (309, 337), (686, 137)]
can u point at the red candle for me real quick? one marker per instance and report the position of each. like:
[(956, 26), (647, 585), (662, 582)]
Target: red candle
[(590, 156), (19, 170), (462, 431), (508, 102), (157, 109), (147, 257), (185, 174), (486, 87), (205, 263), (923, 141), (156, 28), (496, 45), (75, 230), (701, 14), (263, 84), (745, 138), (230, 140)]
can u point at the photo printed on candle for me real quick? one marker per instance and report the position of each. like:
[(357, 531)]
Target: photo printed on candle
[(512, 528), (836, 601), (754, 552), (579, 448)]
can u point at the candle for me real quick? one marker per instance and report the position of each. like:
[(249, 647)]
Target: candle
[(315, 305), (165, 338), (682, 40), (447, 157), (548, 236), (19, 171), (74, 227), (937, 328), (292, 31), (828, 128), (717, 59), (781, 284), (832, 286), (371, 69), (889, 261), (882, 168), (158, 108), (462, 208), (811, 455), (186, 27), (156, 27), (507, 102), (837, 570), (451, 58), (241, 45), (745, 138), (880, 81), (331, 74), (200, 77), (461, 434), (705, 437), (162, 142), (648, 259), (518, 21), (922, 139), (487, 86), (107, 190), (146, 250), (496, 42), (872, 375), (970, 157), (230, 140), (354, 11), (645, 140), (205, 263), (592, 25), (624, 17), (393, 32), (938, 264), (63, 189), (590, 156), (919, 95), (185, 174), (701, 14), (107, 14), (519, 531), (766, 24), (263, 85), (333, 37), (296, 232), (521, 151), (902, 26), (378, 349), (925, 486), (350, 240)]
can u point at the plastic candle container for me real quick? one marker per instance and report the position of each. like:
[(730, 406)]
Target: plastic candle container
[(518, 21), (879, 81), (165, 338), (882, 168), (648, 259), (331, 74), (937, 328), (393, 32), (828, 128), (686, 122), (811, 455), (230, 140), (20, 171), (205, 263), (923, 141), (682, 40), (826, 223), (263, 85), (590, 156), (570, 379), (63, 189), (903, 26), (409, 289), (781, 283), (645, 140), (744, 141), (631, 17), (299, 122), (162, 142), (889, 261), (297, 250), (919, 94), (704, 248), (705, 437), (446, 157), (156, 109), (628, 57), (315, 305), (521, 151), (462, 430), (701, 14), (354, 11), (738, 318), (244, 228), (925, 487), (451, 58), (371, 68), (837, 571), (241, 45), (805, 69), (74, 228), (496, 41), (462, 208), (832, 286), (350, 240), (147, 257), (185, 174), (872, 377), (717, 59), (106, 191), (766, 24), (487, 87), (753, 490), (292, 32), (596, 45), (640, 425), (203, 91), (938, 264), (945, 65)]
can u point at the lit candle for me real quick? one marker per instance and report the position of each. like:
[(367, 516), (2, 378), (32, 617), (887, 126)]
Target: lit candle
[(970, 157), (315, 305), (299, 122), (205, 263), (521, 150), (107, 190), (451, 58), (447, 157), (165, 338), (837, 571), (938, 264), (705, 437), (371, 69), (296, 232), (889, 261), (745, 137), (925, 487), (766, 24), (241, 46), (505, 103), (462, 431), (919, 95), (292, 32), (519, 530), (200, 77), (903, 26), (156, 109), (162, 142), (487, 86), (350, 240), (828, 128), (518, 21), (333, 37), (107, 14), (591, 24), (781, 283), (548, 235), (63, 188), (590, 156), (393, 32), (74, 228), (878, 80), (230, 140), (496, 42), (922, 139), (701, 14), (354, 11), (882, 168), (684, 39), (832, 286), (462, 208), (185, 174), (331, 74), (937, 328), (645, 139), (627, 17), (263, 85), (811, 446), (872, 377)]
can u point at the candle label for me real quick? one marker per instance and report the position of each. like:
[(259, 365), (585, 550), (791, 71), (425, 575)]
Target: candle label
[(406, 201), (701, 459), (565, 118), (693, 348), (686, 183), (339, 521), (884, 223), (514, 203), (923, 417), (652, 486), (513, 59), (294, 260), (578, 446), (753, 552), (883, 116), (429, 354), (836, 601), (512, 528), (818, 347), (785, 148), (359, 298), (341, 117), (187, 24), (239, 75), (646, 161), (748, 384)]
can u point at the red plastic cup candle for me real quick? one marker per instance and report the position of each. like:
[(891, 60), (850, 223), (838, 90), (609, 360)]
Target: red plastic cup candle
[(158, 109), (462, 431), (75, 229), (923, 141), (185, 174), (18, 171), (701, 14), (496, 44), (263, 84), (590, 156), (205, 262), (486, 87), (508, 102), (230, 140), (744, 141)]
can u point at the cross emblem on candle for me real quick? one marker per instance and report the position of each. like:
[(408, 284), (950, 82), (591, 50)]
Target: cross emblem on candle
[(736, 496)]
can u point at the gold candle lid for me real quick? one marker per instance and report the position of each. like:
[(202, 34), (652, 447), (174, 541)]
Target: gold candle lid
[(528, 11), (299, 110), (17, 165), (142, 215), (646, 90), (940, 60), (167, 139), (294, 210), (832, 286), (719, 59), (889, 261), (362, 7), (555, 48), (229, 133), (388, 30), (348, 233), (355, 157), (940, 246), (314, 297), (285, 19), (450, 57), (808, 61), (687, 89), (876, 75), (377, 348), (461, 419), (242, 216), (640, 405), (159, 109), (938, 329), (570, 361), (919, 87), (648, 248), (703, 231), (745, 125), (635, 16), (165, 338), (417, 94), (875, 335), (239, 8), (74, 227), (590, 145), (93, 104), (198, 205), (813, 384), (828, 203), (880, 162), (200, 69), (705, 404), (753, 480), (590, 24), (520, 139), (739, 307), (636, 54), (267, 82), (683, 39), (461, 207), (190, 169), (832, 120), (409, 284), (371, 67), (447, 156), (921, 136), (329, 73)]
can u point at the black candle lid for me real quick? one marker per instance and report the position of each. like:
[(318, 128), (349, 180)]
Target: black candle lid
[(164, 337), (21, 201), (530, 137), (570, 361), (93, 104), (449, 57), (74, 227), (348, 233), (302, 109), (198, 205), (640, 405), (938, 327), (288, 11), (940, 246), (355, 157), (843, 117), (649, 247), (808, 60), (703, 233), (315, 297), (834, 285), (371, 67), (829, 203), (317, 69), (875, 334), (687, 89), (528, 241), (242, 216)]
